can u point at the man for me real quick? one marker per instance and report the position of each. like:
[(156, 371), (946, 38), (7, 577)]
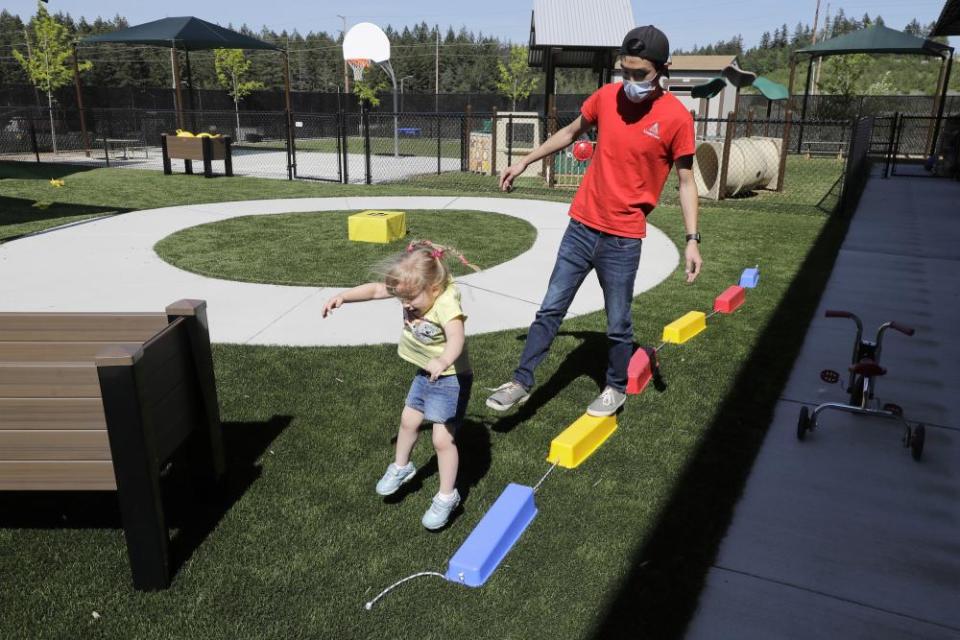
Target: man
[(641, 132)]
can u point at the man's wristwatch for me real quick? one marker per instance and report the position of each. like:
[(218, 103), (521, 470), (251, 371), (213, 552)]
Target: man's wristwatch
[(693, 236)]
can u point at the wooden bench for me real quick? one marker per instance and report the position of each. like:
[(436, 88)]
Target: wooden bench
[(92, 402), (205, 149)]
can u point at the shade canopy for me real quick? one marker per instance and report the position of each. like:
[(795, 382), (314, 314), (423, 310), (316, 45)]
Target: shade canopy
[(949, 22), (186, 33), (876, 39)]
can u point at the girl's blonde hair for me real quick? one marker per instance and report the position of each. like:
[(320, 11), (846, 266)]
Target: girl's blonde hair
[(422, 266)]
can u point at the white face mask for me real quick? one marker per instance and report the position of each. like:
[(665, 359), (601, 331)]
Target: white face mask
[(638, 91)]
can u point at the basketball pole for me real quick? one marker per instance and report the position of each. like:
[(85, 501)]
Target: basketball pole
[(386, 66)]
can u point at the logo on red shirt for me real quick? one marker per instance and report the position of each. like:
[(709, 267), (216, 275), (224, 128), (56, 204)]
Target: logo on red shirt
[(653, 130)]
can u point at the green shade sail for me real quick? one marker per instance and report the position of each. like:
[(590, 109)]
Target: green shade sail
[(876, 39)]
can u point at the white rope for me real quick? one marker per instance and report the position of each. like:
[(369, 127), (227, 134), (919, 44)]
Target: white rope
[(537, 486), (370, 604)]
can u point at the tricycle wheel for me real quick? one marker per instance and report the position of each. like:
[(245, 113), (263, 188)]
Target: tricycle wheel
[(916, 441), (803, 423), (856, 393)]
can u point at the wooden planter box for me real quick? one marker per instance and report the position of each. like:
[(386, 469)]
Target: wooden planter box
[(100, 402), (203, 149)]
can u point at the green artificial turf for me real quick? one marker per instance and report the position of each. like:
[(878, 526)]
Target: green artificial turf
[(298, 541), (313, 248)]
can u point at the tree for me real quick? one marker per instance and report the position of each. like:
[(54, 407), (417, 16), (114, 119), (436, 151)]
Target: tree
[(373, 83), (516, 78), (841, 73), (232, 68), (46, 62)]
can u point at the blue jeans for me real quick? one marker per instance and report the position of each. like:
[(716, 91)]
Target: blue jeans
[(616, 259)]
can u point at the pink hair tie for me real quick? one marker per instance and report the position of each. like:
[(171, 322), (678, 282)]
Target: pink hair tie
[(437, 253)]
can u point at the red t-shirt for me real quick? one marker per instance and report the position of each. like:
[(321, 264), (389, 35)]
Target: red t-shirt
[(637, 145)]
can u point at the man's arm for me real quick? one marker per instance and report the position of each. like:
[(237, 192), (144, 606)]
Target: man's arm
[(560, 140), (690, 207)]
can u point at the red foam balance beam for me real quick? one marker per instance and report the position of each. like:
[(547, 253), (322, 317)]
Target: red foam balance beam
[(639, 372), (730, 300)]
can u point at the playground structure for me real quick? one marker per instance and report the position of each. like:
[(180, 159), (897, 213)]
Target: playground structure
[(863, 371), (513, 511), (751, 163), (511, 135)]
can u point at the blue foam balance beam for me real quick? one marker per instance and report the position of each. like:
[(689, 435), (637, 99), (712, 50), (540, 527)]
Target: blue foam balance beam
[(493, 537), (750, 278)]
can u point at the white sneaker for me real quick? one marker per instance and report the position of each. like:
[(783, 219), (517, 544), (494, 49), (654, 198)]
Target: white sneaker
[(394, 477), (440, 510)]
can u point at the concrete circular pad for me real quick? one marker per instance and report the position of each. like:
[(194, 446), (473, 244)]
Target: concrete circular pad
[(109, 265)]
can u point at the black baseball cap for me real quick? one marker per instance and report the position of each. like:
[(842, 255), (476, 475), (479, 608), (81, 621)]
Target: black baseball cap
[(647, 42)]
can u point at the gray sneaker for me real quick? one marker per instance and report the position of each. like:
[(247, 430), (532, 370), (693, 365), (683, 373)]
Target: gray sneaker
[(507, 395), (394, 477), (439, 511), (607, 403)]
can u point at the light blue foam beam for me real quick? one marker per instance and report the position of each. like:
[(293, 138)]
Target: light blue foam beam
[(493, 537)]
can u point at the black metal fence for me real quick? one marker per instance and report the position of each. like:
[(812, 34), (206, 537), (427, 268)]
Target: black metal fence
[(924, 146), (796, 162)]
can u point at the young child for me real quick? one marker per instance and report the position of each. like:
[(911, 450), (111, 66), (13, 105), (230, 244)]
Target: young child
[(432, 339)]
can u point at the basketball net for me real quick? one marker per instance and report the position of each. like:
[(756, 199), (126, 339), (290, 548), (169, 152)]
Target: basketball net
[(358, 65)]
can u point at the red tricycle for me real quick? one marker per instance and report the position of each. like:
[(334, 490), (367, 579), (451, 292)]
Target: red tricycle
[(863, 371)]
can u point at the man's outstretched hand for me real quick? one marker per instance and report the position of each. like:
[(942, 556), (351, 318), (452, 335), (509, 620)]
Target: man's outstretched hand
[(694, 261)]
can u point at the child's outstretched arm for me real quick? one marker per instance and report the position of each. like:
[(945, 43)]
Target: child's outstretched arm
[(455, 340), (362, 293)]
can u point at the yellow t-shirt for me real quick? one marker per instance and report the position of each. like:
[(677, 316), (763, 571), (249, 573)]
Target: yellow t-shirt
[(424, 339)]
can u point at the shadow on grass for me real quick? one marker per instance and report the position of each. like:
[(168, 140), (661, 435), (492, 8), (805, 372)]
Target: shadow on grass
[(587, 358), (20, 217), (39, 171), (659, 595), (191, 514)]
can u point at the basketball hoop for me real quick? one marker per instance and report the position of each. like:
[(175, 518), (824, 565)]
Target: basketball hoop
[(358, 65)]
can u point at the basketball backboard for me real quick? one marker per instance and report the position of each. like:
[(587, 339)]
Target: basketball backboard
[(366, 40)]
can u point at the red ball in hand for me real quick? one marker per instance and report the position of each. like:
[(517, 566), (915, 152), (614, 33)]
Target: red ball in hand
[(583, 150)]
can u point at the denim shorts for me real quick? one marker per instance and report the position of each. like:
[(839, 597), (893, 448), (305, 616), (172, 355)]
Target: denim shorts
[(442, 401)]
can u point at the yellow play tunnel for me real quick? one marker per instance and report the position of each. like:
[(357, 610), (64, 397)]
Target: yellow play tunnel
[(581, 439), (377, 226)]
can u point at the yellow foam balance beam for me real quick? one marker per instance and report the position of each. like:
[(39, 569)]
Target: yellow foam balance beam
[(377, 226), (580, 439), (685, 327)]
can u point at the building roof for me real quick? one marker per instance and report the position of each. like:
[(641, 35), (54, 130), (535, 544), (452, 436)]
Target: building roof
[(701, 63), (582, 33), (580, 23)]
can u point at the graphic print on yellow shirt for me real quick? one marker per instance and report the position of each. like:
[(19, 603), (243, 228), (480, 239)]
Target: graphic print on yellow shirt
[(424, 339)]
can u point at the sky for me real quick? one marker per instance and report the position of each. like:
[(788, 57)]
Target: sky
[(686, 22)]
